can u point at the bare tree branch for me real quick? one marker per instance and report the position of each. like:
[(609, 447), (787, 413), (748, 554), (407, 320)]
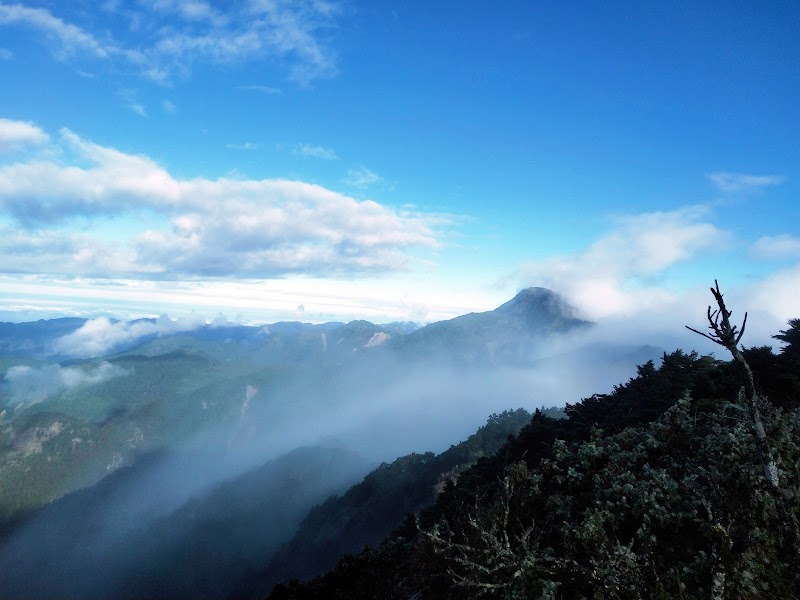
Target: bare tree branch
[(726, 335)]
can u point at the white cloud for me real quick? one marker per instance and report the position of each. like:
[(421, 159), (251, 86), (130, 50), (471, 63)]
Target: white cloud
[(14, 134), (613, 276), (244, 146), (165, 47), (261, 89), (42, 191), (191, 10), (777, 246), (35, 384), (100, 336), (110, 6), (737, 183), (139, 109), (777, 295), (361, 178), (6, 54), (313, 151), (251, 228), (67, 38), (169, 107), (623, 281), (23, 251), (128, 96)]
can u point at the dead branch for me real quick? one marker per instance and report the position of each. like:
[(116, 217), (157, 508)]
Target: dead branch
[(727, 335)]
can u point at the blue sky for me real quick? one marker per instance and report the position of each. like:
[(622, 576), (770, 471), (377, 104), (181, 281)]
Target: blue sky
[(317, 160)]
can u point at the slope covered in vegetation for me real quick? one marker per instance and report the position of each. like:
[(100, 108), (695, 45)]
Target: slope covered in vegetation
[(378, 504), (656, 490)]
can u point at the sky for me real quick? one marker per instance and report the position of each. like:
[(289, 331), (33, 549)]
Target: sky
[(322, 160)]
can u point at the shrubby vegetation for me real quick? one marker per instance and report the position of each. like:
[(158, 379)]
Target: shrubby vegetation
[(656, 490)]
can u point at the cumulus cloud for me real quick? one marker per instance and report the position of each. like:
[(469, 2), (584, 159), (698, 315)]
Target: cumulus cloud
[(100, 336), (252, 228), (15, 134), (777, 246), (35, 384), (313, 151), (614, 275), (737, 183), (165, 38), (42, 191)]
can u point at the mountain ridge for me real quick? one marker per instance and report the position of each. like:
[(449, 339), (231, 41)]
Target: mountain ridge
[(507, 333)]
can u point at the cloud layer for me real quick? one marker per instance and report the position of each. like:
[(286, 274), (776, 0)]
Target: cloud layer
[(203, 228)]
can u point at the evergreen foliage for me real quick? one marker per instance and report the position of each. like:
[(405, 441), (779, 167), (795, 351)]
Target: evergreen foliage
[(790, 337)]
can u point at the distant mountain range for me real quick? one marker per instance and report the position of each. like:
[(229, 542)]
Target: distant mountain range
[(509, 334), (36, 337), (219, 400)]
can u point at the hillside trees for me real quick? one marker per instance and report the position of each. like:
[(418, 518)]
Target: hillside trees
[(670, 510)]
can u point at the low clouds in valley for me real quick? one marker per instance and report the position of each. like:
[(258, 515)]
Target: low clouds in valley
[(102, 335), (36, 384)]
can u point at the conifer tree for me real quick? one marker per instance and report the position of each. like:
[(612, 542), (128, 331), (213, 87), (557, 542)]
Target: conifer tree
[(790, 337)]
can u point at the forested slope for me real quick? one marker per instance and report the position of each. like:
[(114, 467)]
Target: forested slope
[(656, 490), (371, 509)]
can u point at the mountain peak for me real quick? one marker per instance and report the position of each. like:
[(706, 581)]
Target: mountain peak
[(511, 333), (538, 305), (533, 294)]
